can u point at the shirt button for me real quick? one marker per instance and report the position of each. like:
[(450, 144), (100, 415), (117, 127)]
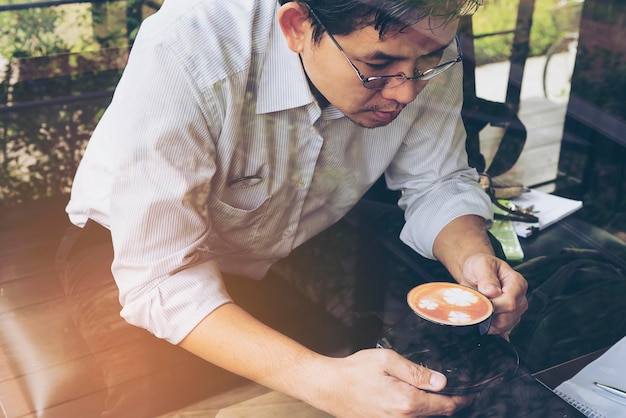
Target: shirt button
[(286, 233), (300, 185)]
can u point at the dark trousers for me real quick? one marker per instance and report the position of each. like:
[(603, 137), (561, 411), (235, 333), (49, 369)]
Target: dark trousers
[(328, 294)]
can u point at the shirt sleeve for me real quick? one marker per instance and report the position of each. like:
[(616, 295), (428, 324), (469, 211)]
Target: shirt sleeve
[(164, 149), (431, 166)]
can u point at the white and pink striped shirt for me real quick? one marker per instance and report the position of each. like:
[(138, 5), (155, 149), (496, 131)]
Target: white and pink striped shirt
[(215, 157)]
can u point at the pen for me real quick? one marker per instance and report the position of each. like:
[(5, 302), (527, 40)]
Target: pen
[(615, 391)]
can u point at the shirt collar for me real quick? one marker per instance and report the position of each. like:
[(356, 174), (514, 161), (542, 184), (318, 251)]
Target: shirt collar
[(283, 83)]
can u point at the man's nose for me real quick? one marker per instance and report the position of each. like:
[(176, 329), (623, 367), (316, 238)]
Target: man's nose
[(404, 93)]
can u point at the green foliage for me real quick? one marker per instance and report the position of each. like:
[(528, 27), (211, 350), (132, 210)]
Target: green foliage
[(31, 33), (42, 143), (544, 31), (551, 20), (494, 17), (40, 147)]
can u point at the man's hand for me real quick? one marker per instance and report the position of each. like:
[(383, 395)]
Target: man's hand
[(464, 248), (370, 383), (381, 383), (505, 287)]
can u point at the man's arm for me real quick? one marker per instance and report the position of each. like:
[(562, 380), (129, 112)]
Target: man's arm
[(445, 207), (461, 238), (464, 248), (369, 383)]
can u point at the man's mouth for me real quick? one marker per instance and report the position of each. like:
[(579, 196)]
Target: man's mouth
[(385, 116)]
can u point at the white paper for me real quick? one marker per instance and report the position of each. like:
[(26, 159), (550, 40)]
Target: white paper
[(547, 207), (610, 369)]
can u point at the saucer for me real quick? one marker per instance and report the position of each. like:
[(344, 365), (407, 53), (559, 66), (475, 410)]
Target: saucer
[(470, 363)]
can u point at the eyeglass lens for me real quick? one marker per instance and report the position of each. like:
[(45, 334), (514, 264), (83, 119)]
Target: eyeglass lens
[(381, 82)]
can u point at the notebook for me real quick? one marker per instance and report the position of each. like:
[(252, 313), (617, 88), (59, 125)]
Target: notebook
[(609, 369), (548, 208)]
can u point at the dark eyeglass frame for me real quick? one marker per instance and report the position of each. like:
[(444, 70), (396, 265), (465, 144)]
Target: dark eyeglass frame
[(381, 82)]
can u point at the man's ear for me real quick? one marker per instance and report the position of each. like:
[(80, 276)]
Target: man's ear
[(293, 19)]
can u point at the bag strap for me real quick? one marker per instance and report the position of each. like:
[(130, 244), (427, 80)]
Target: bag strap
[(554, 268), (477, 113)]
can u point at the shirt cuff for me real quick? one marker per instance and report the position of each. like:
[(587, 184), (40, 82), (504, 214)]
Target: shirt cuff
[(424, 224), (173, 308)]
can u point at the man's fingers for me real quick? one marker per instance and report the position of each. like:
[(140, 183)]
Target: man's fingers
[(411, 397), (416, 375)]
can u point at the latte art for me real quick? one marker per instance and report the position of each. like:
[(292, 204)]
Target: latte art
[(449, 304)]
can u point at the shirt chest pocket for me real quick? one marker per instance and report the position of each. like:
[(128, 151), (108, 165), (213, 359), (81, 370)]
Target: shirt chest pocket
[(235, 227)]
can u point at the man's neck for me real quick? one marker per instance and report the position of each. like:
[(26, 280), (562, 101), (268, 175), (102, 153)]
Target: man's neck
[(319, 97), (321, 100)]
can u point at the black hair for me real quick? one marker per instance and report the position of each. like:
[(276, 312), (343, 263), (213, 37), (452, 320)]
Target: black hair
[(342, 17)]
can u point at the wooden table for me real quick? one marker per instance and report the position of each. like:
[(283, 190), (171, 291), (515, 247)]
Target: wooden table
[(250, 400)]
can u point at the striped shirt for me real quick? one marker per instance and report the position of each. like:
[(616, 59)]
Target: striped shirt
[(214, 157)]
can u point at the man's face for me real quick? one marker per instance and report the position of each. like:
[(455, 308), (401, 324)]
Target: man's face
[(419, 46)]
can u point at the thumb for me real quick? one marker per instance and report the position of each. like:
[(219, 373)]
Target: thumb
[(416, 375), (487, 281), (482, 272), (489, 286)]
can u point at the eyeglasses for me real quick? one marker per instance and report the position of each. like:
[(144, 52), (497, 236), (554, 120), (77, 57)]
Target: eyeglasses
[(381, 82)]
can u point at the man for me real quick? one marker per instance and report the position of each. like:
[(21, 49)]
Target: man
[(242, 129)]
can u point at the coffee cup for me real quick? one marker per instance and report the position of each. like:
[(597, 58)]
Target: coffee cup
[(460, 308), (447, 333)]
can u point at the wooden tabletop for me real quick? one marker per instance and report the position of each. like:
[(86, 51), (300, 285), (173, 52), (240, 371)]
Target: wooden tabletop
[(250, 400)]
